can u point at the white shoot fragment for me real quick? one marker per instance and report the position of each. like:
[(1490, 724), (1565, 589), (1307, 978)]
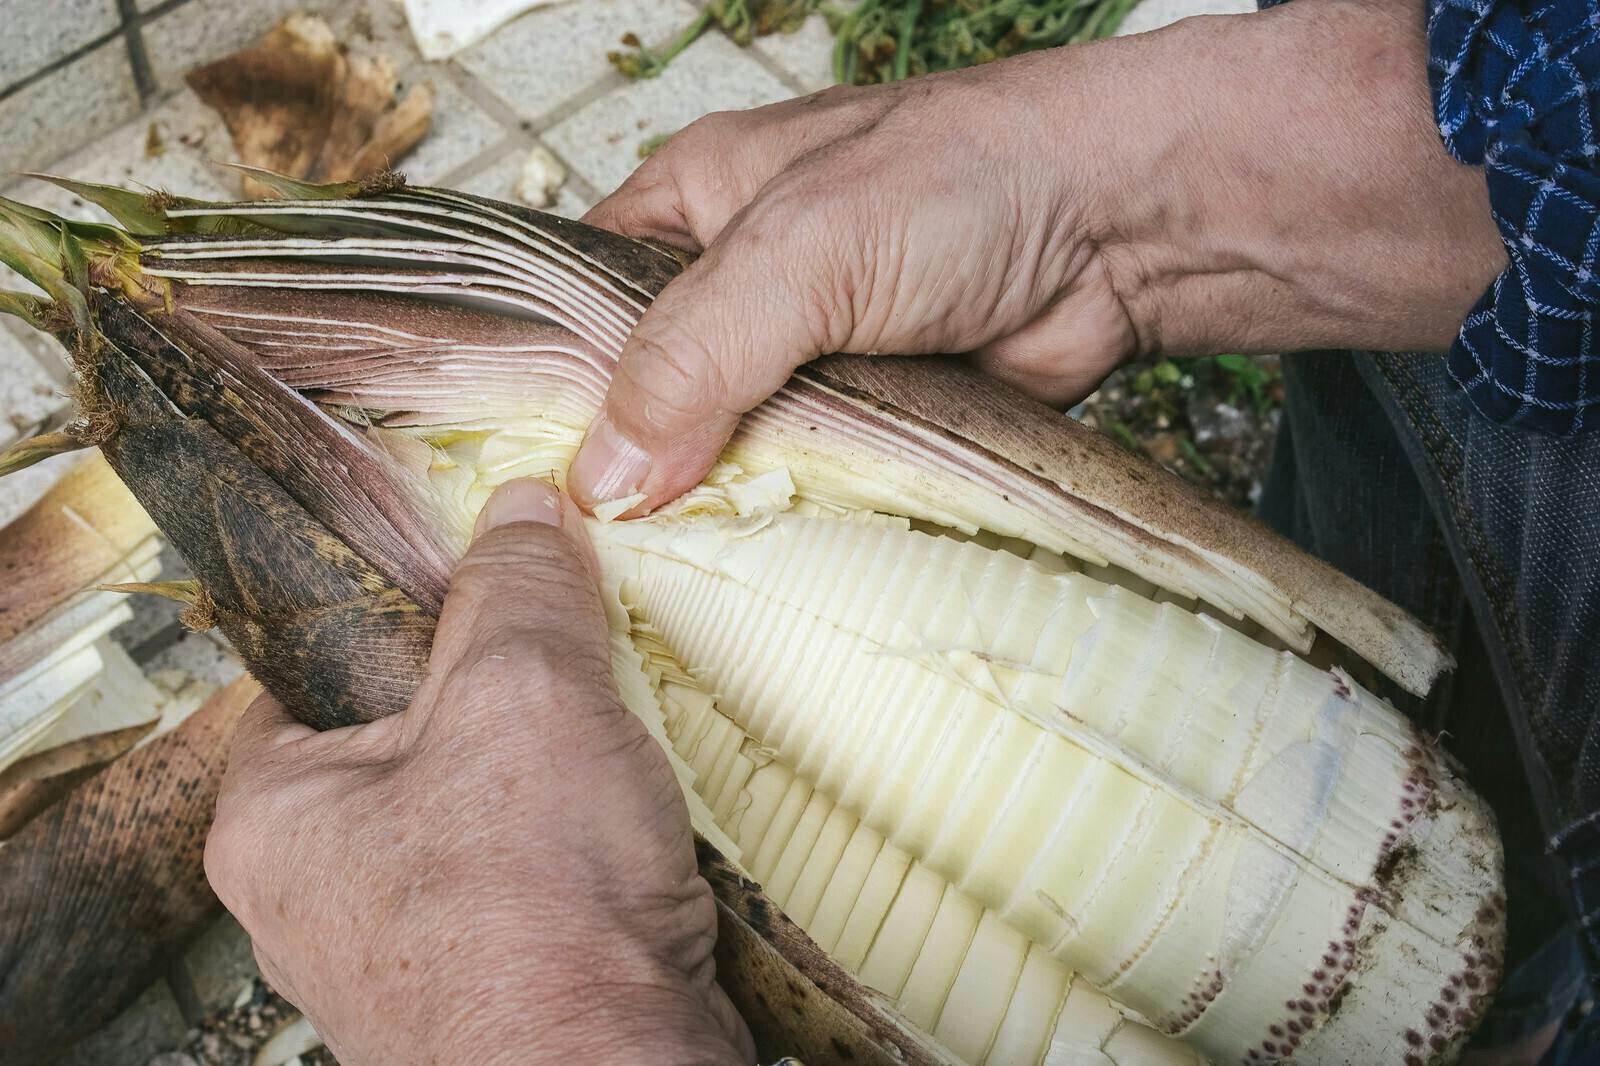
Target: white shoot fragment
[(541, 178), (611, 510), (293, 1040), (771, 491)]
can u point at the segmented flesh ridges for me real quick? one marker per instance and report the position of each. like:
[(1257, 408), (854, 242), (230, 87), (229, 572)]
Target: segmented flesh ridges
[(1203, 579), (688, 740), (772, 679)]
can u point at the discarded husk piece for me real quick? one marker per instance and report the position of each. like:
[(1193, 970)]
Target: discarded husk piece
[(297, 102), (118, 709), (100, 890), (85, 530), (315, 415)]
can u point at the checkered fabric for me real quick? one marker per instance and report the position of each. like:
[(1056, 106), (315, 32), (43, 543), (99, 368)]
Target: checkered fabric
[(1516, 85)]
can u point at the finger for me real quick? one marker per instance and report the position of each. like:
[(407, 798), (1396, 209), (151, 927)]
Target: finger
[(265, 728), (523, 613), (1063, 355), (682, 195), (686, 193), (722, 337), (647, 206), (269, 736)]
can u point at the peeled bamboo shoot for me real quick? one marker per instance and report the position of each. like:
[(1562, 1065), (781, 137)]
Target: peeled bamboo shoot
[(1010, 721)]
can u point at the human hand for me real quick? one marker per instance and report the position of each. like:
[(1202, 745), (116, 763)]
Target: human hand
[(1244, 183), (505, 871), (861, 220)]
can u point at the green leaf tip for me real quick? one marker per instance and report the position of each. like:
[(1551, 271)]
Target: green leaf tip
[(143, 213), (34, 310), (295, 189), (30, 244)]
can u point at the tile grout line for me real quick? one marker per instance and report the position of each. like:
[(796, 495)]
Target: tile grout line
[(60, 63), (536, 125), (479, 93), (144, 78), (133, 21), (483, 159), (775, 68)]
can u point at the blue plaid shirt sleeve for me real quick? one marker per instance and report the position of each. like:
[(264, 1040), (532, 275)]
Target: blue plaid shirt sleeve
[(1515, 86)]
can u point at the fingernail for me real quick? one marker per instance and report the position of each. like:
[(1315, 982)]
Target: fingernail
[(523, 500), (609, 466)]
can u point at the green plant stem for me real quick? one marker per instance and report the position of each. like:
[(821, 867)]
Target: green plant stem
[(908, 25)]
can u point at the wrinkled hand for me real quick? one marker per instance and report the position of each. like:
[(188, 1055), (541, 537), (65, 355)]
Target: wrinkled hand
[(1261, 182), (504, 872), (859, 220)]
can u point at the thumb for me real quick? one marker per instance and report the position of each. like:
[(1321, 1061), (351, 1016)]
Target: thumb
[(722, 337), (523, 614)]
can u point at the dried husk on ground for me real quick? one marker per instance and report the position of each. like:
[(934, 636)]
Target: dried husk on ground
[(101, 890), (299, 102)]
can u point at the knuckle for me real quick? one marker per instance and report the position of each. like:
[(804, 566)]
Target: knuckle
[(516, 669), (521, 561), (227, 860), (673, 367), (706, 133)]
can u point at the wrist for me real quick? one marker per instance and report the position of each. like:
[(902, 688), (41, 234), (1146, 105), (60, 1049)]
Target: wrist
[(579, 981), (1279, 184), (596, 1019)]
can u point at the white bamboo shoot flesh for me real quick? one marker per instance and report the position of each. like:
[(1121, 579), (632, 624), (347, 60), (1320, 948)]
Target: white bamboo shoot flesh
[(1055, 768)]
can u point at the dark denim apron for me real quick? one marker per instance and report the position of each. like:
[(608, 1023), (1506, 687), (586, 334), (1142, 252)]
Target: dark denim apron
[(1491, 536)]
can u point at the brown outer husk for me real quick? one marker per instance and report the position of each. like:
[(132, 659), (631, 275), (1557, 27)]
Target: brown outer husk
[(100, 890), (33, 782), (314, 621)]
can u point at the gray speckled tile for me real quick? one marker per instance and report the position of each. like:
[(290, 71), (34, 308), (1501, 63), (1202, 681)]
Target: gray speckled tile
[(221, 963), (202, 655), (499, 181), (29, 393), (39, 32), (550, 55), (175, 148), (75, 105), (602, 140)]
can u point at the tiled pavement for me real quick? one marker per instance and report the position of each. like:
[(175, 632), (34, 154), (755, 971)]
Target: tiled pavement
[(93, 89)]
